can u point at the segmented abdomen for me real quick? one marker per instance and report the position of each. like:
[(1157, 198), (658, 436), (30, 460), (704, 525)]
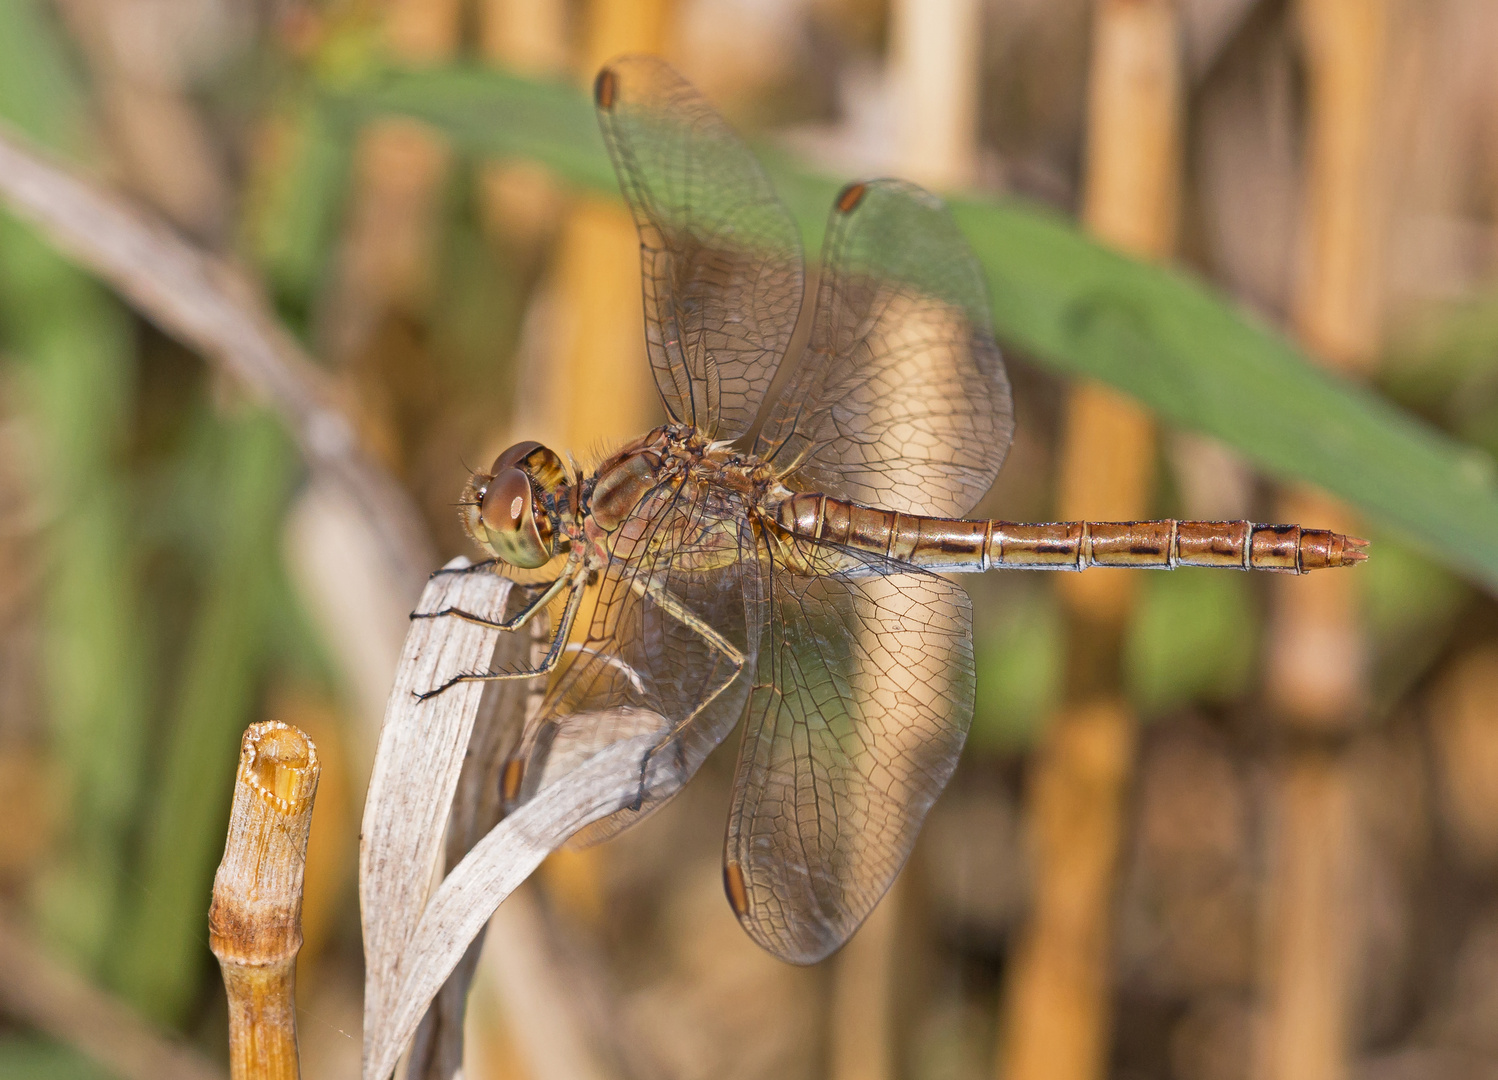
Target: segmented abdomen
[(955, 545)]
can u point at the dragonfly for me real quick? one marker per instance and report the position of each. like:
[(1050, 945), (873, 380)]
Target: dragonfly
[(780, 553)]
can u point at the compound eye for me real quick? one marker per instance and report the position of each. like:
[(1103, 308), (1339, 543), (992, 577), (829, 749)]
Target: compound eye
[(512, 457), (510, 520), (506, 500)]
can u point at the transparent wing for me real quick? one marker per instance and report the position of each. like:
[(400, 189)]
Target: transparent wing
[(667, 648), (901, 399), (720, 256), (862, 700)]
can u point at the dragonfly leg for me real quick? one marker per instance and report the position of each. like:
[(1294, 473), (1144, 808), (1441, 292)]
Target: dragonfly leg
[(548, 662), (514, 622), (668, 602), (471, 568)]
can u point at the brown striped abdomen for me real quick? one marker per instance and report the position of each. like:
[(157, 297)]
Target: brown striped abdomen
[(954, 545)]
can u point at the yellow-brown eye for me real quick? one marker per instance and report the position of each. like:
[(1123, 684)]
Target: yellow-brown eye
[(510, 520)]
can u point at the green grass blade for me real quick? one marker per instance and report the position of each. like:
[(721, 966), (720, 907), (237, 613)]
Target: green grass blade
[(30, 1057), (293, 224), (164, 948), (71, 348), (1186, 352)]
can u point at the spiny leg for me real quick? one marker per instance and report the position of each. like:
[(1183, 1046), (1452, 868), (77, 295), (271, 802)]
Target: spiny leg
[(514, 622), (672, 606), (553, 654), (471, 568)]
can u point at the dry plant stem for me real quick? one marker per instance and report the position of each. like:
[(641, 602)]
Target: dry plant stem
[(594, 382), (1310, 914), (1058, 1021), (624, 26), (1315, 672), (477, 807), (497, 865), (388, 252), (37, 990), (862, 1036), (255, 923), (935, 46), (556, 1001), (934, 69), (417, 764), (604, 393), (154, 129), (1463, 712), (1336, 306), (412, 945), (521, 201), (211, 307)]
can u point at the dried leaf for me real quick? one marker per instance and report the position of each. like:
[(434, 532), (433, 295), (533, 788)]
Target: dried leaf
[(411, 944)]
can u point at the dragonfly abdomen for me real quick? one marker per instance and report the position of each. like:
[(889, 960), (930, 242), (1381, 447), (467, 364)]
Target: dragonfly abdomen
[(950, 544), (956, 545), (1164, 545)]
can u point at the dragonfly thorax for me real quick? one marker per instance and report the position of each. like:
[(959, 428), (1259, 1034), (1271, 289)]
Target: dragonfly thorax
[(669, 456), (626, 476)]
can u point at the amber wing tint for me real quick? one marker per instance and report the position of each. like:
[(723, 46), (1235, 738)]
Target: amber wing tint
[(857, 671), (720, 255), (861, 703), (901, 400)]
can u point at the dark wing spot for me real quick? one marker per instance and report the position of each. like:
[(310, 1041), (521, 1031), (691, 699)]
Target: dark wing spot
[(606, 88), (850, 197)]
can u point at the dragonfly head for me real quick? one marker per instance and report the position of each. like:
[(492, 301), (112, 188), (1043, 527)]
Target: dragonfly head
[(514, 508)]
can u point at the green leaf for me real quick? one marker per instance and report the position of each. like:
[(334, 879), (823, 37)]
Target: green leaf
[(1186, 352), (293, 227)]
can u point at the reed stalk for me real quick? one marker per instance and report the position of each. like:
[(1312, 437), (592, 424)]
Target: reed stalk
[(522, 201), (934, 68), (1315, 667), (255, 923), (388, 255), (1057, 1022)]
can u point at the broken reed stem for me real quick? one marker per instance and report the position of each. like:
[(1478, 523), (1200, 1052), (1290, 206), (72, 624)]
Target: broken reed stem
[(255, 923)]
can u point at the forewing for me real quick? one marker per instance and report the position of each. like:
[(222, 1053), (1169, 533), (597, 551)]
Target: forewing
[(861, 703), (901, 399), (720, 255), (642, 663)]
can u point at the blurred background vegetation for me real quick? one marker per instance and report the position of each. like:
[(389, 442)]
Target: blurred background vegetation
[(1207, 826)]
